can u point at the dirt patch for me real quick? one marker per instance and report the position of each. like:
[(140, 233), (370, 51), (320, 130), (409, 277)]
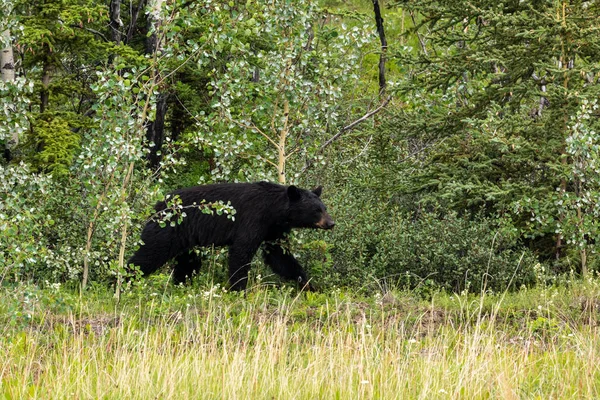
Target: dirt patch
[(97, 325)]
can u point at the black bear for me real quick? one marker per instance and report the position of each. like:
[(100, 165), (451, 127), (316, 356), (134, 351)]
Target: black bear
[(265, 213)]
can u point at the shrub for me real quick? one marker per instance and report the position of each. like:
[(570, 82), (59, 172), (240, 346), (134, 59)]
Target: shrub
[(379, 244)]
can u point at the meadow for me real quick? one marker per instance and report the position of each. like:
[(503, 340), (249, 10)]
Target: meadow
[(164, 342), (457, 147)]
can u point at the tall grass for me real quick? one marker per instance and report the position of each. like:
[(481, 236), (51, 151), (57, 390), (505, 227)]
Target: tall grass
[(272, 345)]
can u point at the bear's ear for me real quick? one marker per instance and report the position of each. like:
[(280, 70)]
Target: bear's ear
[(318, 191), (293, 193)]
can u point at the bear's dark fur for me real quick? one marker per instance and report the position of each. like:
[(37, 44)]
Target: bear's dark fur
[(265, 212)]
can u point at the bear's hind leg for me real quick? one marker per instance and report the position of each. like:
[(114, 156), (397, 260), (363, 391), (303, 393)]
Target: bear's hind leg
[(159, 247), (149, 259)]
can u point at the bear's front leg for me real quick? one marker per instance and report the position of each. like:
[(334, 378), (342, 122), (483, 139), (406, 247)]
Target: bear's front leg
[(285, 265)]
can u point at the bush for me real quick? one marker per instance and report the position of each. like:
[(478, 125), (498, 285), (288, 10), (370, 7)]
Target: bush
[(455, 253), (27, 220), (379, 244)]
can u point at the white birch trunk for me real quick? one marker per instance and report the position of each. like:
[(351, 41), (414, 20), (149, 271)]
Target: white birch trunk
[(7, 70), (7, 61)]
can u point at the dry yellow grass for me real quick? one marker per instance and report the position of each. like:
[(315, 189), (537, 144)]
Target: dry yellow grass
[(248, 348)]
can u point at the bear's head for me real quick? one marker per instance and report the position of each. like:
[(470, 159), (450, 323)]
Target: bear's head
[(307, 210)]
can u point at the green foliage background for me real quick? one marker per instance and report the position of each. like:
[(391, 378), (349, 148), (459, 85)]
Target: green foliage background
[(480, 172)]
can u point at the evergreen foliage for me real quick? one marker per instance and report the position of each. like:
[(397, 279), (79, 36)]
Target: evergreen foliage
[(495, 87)]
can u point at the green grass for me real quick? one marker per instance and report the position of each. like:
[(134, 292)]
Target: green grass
[(202, 343)]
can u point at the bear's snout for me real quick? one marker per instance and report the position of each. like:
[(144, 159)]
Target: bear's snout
[(325, 222)]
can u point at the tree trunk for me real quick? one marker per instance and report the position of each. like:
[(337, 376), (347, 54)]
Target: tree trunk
[(564, 65), (7, 60), (133, 20), (156, 129), (178, 121), (7, 70), (382, 39), (282, 141), (115, 21), (152, 39)]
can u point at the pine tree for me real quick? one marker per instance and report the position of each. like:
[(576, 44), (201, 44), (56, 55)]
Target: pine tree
[(492, 90)]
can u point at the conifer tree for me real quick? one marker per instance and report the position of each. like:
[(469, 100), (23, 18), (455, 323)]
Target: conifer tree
[(493, 88)]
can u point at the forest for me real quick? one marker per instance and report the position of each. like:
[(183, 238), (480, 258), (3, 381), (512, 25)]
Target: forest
[(456, 146)]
